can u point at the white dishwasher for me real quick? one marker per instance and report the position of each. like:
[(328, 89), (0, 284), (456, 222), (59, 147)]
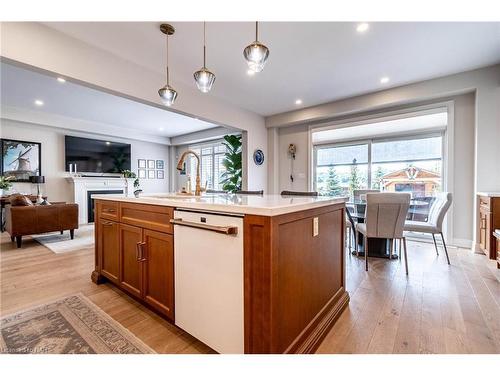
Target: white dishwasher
[(208, 258)]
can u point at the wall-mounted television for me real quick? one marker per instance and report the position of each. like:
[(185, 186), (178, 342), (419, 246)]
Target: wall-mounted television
[(96, 156)]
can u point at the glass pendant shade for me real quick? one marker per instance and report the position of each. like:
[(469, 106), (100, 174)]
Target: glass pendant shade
[(167, 92), (204, 79), (256, 55), (167, 95)]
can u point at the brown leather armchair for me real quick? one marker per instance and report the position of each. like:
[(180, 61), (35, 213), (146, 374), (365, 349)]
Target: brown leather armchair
[(27, 220)]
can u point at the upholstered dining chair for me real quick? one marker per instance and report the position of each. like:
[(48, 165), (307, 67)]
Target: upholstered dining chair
[(360, 208), (250, 192), (299, 193), (385, 218), (434, 225)]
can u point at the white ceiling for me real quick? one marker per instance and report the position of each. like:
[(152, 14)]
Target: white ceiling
[(316, 62), (21, 87)]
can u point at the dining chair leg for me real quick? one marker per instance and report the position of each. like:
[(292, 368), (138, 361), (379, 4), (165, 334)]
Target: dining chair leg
[(365, 242), (406, 254), (435, 244), (356, 243), (350, 241), (445, 249)]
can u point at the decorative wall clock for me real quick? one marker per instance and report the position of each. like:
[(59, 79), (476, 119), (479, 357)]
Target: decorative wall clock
[(258, 157)]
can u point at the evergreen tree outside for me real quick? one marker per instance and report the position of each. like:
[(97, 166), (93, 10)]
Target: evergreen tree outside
[(379, 173), (332, 183), (355, 180)]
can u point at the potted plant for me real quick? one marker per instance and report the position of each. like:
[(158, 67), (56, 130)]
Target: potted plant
[(231, 178), (5, 184)]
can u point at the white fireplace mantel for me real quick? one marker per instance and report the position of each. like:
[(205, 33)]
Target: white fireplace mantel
[(82, 185)]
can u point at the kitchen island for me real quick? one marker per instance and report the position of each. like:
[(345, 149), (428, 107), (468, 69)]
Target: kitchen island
[(242, 273)]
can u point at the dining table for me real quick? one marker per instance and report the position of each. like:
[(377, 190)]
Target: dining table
[(378, 247)]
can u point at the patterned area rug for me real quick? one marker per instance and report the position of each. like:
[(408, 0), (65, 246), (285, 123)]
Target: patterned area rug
[(62, 243), (70, 325)]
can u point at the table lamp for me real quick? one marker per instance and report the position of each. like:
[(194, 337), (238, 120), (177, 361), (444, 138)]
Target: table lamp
[(38, 180)]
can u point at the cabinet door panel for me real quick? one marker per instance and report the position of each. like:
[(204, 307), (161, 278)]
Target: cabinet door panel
[(130, 265), (159, 271), (109, 249)]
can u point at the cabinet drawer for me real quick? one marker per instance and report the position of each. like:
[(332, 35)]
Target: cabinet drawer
[(484, 203), (108, 210), (147, 216)]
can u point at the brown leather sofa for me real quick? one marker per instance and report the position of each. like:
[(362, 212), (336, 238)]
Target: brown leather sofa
[(27, 220)]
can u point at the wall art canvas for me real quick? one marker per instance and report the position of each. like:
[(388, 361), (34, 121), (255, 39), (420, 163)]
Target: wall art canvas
[(151, 173), (151, 164), (160, 175), (20, 159), (142, 173), (141, 163), (160, 164)]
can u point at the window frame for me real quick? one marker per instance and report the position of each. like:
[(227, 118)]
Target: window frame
[(369, 142), (213, 144)]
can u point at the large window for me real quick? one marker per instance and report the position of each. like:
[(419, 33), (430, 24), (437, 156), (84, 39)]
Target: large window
[(342, 168), (411, 164), (211, 157)]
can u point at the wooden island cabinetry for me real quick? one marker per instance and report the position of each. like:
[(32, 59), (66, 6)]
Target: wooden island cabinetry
[(488, 220), (135, 257), (293, 261)]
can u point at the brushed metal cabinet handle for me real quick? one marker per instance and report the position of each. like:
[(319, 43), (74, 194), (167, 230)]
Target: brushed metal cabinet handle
[(138, 251), (213, 228)]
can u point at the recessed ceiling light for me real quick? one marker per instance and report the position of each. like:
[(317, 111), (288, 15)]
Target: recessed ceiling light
[(108, 143), (362, 27), (61, 79), (39, 102), (298, 101), (250, 72), (160, 129), (384, 79)]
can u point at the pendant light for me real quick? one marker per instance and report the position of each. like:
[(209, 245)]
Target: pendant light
[(204, 78), (167, 92), (256, 54)]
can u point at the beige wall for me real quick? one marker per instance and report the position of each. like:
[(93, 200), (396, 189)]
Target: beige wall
[(463, 164), (40, 46)]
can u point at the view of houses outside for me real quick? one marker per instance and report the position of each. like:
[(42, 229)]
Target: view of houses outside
[(409, 165)]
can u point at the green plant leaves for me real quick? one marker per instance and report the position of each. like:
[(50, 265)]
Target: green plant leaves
[(231, 178)]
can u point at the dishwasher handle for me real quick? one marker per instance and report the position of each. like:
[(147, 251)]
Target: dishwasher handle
[(229, 230)]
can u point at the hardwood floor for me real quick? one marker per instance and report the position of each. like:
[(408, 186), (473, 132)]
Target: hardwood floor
[(436, 309)]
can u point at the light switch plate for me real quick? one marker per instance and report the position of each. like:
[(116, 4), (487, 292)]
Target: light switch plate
[(315, 226)]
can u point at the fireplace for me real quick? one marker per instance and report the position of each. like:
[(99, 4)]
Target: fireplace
[(90, 201)]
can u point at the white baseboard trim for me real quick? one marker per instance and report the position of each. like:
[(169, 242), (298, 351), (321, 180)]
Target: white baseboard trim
[(462, 242)]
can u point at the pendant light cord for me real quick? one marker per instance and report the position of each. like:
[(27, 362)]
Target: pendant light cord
[(167, 62), (256, 31), (204, 45)]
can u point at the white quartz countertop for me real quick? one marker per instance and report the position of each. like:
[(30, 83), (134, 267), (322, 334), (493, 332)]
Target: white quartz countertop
[(265, 205), (492, 194)]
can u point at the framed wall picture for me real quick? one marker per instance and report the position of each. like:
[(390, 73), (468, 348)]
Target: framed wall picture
[(160, 175), (151, 174), (141, 163), (141, 172), (151, 164), (160, 164), (20, 159)]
